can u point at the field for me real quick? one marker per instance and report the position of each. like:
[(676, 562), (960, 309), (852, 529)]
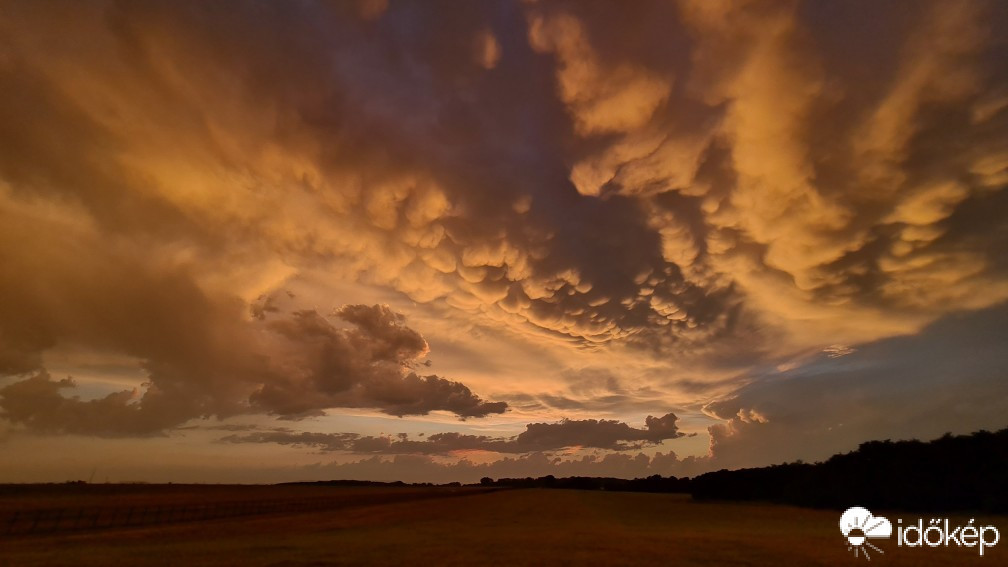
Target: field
[(437, 526)]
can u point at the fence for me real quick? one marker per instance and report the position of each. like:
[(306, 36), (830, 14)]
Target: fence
[(55, 520)]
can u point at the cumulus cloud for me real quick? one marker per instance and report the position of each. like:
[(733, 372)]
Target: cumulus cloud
[(587, 433), (366, 366), (607, 434), (304, 366), (38, 404)]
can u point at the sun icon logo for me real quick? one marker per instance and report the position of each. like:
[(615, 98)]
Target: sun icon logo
[(858, 525)]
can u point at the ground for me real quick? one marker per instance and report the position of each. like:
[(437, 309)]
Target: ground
[(443, 526)]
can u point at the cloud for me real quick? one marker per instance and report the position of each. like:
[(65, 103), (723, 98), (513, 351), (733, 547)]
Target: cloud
[(829, 404), (601, 100), (720, 167), (209, 186), (606, 434), (366, 366), (705, 188), (37, 404), (304, 366), (762, 188), (419, 468), (586, 433)]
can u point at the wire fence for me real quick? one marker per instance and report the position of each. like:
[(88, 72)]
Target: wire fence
[(58, 520)]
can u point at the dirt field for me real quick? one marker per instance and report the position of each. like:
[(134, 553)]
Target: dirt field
[(440, 526)]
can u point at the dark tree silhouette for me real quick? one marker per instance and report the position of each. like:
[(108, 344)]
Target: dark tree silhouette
[(965, 472)]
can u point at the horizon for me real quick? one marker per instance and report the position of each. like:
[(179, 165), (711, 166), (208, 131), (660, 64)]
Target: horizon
[(387, 241), (505, 480)]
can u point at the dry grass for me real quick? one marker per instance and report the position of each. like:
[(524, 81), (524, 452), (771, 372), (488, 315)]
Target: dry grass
[(515, 527)]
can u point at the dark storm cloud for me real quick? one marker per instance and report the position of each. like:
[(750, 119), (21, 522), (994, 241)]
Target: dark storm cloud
[(313, 366), (645, 102), (366, 366), (589, 433), (605, 434), (822, 188), (37, 404), (343, 83), (725, 183)]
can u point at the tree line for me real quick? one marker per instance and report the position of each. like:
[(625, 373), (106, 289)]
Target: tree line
[(954, 472)]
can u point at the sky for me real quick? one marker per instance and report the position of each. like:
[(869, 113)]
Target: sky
[(437, 241)]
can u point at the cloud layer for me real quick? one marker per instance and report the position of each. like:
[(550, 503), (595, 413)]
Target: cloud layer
[(567, 433), (691, 193)]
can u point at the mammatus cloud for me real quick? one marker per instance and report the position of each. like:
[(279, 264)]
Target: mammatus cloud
[(293, 366), (716, 187), (744, 180), (588, 433), (777, 192)]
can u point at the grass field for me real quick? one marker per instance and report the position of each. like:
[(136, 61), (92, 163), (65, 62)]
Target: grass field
[(442, 526)]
